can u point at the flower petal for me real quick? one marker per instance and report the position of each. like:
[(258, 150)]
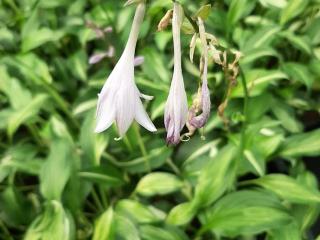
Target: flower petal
[(105, 113), (142, 117)]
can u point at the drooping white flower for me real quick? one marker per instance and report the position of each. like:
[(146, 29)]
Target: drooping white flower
[(176, 109), (119, 100)]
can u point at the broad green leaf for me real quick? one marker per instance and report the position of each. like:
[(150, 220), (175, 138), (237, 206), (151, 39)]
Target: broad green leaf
[(104, 228), (257, 165), (262, 38), (17, 94), (32, 68), (307, 215), (92, 144), (258, 80), (154, 66), (39, 38), (304, 144), (56, 170), (274, 3), (204, 12), (288, 188), (8, 39), (22, 115), (211, 186), (256, 54), (78, 64), (290, 232), (138, 212), (158, 183), (149, 232), (236, 11), (285, 114), (182, 214), (245, 212), (299, 72), (125, 229), (54, 223), (300, 42), (293, 9), (15, 207)]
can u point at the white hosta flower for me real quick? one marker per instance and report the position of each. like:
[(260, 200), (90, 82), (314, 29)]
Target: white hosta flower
[(119, 100), (176, 110)]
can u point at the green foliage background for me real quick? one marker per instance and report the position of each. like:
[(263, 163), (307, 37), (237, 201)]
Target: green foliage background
[(59, 180)]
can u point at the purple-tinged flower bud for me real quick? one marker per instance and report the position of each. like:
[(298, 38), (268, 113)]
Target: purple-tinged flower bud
[(96, 58), (138, 61)]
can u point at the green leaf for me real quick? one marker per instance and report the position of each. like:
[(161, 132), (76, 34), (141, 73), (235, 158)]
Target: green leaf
[(30, 110), (138, 212), (300, 42), (149, 232), (155, 66), (237, 10), (16, 209), (262, 38), (256, 54), (304, 144), (274, 3), (125, 229), (203, 12), (56, 170), (286, 115), (104, 175), (245, 213), (14, 90), (293, 9), (299, 73), (258, 80), (54, 223), (288, 188), (158, 183), (93, 145), (290, 232), (104, 228), (39, 38), (211, 186), (182, 214)]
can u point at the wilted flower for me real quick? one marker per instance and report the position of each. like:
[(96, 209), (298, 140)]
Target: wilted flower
[(119, 100), (200, 120), (176, 109), (164, 22)]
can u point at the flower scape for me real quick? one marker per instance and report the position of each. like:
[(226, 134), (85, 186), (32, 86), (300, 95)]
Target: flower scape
[(119, 100)]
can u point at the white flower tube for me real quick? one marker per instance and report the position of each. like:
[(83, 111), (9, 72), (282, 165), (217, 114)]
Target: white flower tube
[(119, 100), (176, 109)]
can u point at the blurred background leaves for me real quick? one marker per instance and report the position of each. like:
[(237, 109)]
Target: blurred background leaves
[(248, 180)]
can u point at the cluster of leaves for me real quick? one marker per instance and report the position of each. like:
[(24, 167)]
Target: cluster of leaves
[(58, 180)]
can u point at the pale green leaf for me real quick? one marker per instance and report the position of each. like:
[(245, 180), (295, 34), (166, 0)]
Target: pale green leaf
[(158, 183)]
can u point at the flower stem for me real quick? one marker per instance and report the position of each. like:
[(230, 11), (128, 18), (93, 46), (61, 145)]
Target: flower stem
[(173, 166), (140, 141), (245, 111)]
